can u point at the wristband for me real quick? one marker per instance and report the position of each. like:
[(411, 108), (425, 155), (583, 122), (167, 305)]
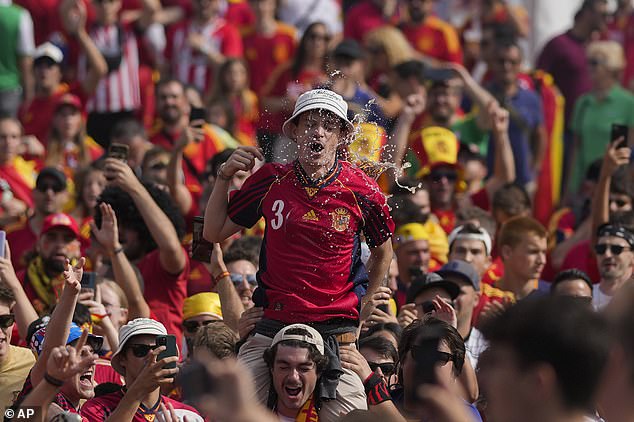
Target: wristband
[(53, 381), (376, 390), (221, 276), (118, 250), (221, 175)]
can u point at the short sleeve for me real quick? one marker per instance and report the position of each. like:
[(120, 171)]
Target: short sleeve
[(378, 222), (245, 204), (26, 42), (232, 42)]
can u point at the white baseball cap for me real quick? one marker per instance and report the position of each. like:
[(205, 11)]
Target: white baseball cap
[(49, 50), (312, 337), (323, 99), (136, 327)]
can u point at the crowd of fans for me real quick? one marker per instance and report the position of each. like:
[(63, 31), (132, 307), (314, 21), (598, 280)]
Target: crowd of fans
[(303, 210)]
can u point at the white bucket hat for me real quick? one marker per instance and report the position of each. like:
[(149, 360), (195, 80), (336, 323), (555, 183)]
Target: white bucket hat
[(313, 337), (136, 327), (323, 99)]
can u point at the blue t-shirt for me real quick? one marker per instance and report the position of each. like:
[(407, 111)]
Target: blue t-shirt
[(368, 103), (526, 116)]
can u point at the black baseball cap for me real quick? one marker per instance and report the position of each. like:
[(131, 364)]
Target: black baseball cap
[(431, 281), (460, 270), (53, 173), (348, 48)]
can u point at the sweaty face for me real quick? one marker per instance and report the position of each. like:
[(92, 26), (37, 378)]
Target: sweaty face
[(613, 266), (243, 278), (56, 246), (472, 251), (526, 260), (414, 254), (171, 102), (317, 134), (294, 379), (10, 138)]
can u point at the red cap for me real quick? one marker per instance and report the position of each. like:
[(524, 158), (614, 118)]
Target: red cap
[(69, 100), (60, 220)]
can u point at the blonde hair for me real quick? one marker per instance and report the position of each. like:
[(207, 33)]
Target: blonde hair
[(118, 291), (610, 52), (393, 42)]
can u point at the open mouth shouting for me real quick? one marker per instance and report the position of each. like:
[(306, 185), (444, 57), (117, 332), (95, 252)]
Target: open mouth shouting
[(293, 392), (316, 147), (85, 380)]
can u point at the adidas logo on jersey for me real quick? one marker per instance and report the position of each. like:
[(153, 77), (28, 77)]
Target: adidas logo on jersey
[(310, 216)]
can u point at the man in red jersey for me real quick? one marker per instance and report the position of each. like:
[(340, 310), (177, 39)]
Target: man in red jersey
[(310, 267)]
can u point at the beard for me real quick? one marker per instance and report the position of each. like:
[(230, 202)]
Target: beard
[(53, 266)]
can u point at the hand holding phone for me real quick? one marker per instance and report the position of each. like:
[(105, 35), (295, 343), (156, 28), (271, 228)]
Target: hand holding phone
[(201, 248), (88, 283), (619, 134), (3, 238), (169, 341), (118, 151)]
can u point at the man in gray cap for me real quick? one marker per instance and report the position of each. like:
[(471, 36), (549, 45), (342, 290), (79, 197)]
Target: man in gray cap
[(310, 265)]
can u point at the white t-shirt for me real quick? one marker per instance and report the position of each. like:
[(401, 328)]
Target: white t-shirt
[(475, 345), (26, 42), (301, 13), (599, 299)]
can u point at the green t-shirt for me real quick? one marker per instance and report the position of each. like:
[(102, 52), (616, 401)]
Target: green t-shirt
[(468, 132), (592, 123)]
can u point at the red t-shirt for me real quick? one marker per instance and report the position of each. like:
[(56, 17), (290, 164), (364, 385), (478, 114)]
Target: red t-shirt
[(361, 19), (312, 268), (100, 408), (104, 372), (37, 117), (165, 292), (434, 38), (582, 258), (446, 219), (22, 241), (263, 53), (199, 279)]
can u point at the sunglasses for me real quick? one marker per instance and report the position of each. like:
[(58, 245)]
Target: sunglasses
[(442, 358), (6, 320), (237, 279), (616, 250), (386, 368), (437, 176), (44, 187), (192, 326), (141, 350)]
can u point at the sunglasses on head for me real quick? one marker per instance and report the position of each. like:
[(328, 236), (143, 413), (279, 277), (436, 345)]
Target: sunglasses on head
[(237, 279), (44, 187), (386, 368), (192, 326), (141, 350), (6, 320), (442, 358), (437, 176), (616, 250)]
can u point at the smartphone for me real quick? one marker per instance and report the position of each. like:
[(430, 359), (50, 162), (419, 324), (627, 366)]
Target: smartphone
[(169, 341), (118, 151), (197, 113), (195, 381), (619, 131), (3, 238), (201, 248), (425, 359), (88, 281)]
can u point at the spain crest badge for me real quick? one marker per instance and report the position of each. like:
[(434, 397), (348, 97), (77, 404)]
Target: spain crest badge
[(340, 219)]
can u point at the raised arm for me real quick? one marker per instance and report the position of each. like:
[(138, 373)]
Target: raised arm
[(124, 275), (397, 143), (232, 307), (179, 192), (73, 16), (171, 254), (23, 309), (613, 159), (59, 326), (504, 163), (218, 225)]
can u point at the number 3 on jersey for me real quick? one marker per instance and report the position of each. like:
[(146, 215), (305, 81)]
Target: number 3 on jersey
[(278, 207)]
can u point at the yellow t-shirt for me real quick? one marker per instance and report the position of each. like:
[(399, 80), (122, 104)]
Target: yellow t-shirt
[(13, 372)]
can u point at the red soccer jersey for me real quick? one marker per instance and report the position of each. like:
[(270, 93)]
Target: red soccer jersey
[(264, 53), (435, 38), (100, 408), (22, 241), (192, 67), (165, 292), (311, 268), (362, 18)]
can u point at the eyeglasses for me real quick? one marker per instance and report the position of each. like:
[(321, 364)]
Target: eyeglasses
[(237, 279), (386, 368), (437, 176), (44, 187), (192, 326), (6, 320), (442, 358), (141, 350), (616, 250)]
